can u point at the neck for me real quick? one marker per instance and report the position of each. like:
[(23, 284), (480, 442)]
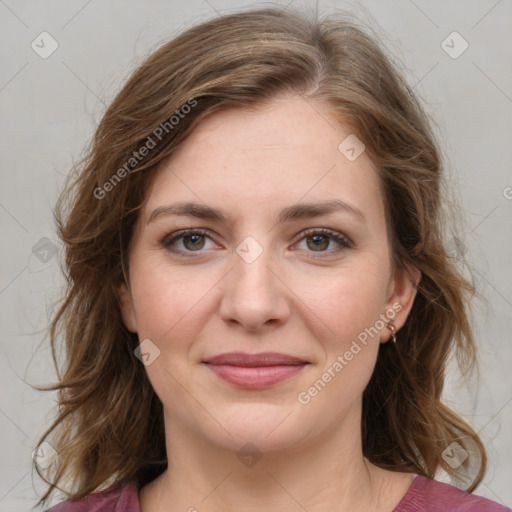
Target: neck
[(327, 473)]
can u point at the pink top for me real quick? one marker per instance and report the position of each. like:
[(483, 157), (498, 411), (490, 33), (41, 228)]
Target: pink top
[(423, 495)]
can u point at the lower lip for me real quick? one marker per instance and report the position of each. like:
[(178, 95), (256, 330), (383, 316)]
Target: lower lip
[(255, 377)]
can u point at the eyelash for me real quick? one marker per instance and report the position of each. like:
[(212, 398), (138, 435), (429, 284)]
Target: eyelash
[(344, 242)]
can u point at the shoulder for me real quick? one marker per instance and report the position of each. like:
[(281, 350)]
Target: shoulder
[(427, 495), (113, 499)]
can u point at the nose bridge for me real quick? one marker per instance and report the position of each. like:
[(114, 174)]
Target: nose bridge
[(253, 295), (252, 272)]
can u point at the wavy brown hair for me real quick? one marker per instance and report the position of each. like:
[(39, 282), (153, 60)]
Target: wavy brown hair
[(109, 425)]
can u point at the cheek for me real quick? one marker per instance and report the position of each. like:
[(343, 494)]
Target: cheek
[(169, 301), (341, 305), (349, 307), (172, 306)]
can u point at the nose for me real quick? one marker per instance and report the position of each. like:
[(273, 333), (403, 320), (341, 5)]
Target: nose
[(253, 295)]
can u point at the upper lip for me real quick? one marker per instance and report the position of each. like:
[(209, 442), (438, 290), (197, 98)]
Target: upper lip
[(254, 360)]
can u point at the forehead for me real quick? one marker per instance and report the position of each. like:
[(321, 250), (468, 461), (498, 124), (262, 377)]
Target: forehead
[(275, 155)]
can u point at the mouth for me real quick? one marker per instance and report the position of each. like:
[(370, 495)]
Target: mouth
[(255, 371)]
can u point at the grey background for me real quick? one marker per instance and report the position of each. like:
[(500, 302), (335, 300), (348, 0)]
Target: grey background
[(49, 108)]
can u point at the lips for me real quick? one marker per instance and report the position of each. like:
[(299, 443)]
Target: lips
[(255, 371), (253, 360)]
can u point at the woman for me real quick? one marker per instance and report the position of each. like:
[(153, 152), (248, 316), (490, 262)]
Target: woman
[(260, 306)]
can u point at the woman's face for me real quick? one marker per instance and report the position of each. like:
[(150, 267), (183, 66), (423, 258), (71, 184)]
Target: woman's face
[(288, 255)]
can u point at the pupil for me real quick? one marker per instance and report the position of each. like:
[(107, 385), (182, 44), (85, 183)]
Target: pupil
[(317, 241), (195, 239)]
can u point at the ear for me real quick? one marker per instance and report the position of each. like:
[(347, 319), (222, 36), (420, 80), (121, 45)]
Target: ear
[(401, 294), (125, 301)]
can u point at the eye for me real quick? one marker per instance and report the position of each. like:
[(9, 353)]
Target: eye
[(319, 239), (192, 240)]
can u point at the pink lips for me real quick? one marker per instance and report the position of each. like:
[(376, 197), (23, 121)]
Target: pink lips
[(255, 371)]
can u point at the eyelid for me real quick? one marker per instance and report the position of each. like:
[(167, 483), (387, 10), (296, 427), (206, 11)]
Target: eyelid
[(325, 231), (176, 235), (340, 238)]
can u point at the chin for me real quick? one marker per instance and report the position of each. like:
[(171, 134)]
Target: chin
[(269, 427)]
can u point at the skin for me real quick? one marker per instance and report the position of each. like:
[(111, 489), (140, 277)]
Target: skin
[(294, 298)]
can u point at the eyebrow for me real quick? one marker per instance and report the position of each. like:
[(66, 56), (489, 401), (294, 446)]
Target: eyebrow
[(294, 212)]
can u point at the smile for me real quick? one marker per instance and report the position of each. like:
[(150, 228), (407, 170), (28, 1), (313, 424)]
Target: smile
[(255, 371)]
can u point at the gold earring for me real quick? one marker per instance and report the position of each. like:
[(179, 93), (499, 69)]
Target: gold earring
[(392, 328)]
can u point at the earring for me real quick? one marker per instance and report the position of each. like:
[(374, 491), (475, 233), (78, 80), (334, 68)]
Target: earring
[(392, 328)]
